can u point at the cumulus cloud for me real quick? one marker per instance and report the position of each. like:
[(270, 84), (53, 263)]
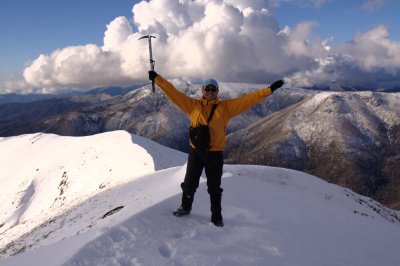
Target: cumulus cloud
[(370, 60), (373, 49), (14, 83), (84, 66), (231, 40)]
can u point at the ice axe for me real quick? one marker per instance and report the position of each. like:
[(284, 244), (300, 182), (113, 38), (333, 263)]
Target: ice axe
[(152, 62)]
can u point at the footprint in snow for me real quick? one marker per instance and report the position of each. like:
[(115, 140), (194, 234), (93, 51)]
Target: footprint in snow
[(166, 250)]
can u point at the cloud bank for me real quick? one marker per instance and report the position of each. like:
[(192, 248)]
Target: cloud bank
[(231, 40)]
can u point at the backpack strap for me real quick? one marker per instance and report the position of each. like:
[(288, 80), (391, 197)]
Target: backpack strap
[(212, 113)]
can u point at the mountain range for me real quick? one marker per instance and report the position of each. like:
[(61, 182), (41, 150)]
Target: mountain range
[(348, 138)]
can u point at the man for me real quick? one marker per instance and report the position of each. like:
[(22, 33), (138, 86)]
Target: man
[(211, 160)]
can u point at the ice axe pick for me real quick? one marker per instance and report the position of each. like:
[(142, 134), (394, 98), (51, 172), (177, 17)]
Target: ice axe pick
[(152, 62)]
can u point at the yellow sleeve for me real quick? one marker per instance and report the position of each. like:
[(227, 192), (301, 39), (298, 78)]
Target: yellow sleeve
[(241, 104), (184, 102)]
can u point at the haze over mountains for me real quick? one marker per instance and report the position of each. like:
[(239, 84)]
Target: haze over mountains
[(349, 138)]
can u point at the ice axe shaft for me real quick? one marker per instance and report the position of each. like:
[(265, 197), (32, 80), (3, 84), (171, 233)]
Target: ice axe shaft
[(152, 62)]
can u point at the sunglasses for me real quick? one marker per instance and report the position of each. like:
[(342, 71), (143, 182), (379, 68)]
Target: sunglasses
[(210, 88)]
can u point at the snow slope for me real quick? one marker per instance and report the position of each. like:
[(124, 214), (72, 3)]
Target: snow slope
[(273, 216), (44, 176)]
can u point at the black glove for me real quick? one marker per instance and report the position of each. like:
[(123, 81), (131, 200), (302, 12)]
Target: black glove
[(276, 85), (152, 75)]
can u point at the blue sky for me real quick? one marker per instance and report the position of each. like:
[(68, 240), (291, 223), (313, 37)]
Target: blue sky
[(30, 28), (343, 18)]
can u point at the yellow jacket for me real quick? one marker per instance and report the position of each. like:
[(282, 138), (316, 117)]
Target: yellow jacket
[(198, 110)]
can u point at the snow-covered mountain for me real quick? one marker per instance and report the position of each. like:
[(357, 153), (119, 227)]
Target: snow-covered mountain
[(107, 199), (26, 98), (140, 112)]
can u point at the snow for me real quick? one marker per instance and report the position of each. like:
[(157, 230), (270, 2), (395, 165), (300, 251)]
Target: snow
[(48, 175), (273, 216)]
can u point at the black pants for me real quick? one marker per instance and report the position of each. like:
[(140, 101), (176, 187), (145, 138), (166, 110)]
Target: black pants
[(212, 162)]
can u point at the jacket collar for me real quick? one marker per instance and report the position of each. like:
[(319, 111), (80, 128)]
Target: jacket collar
[(207, 102)]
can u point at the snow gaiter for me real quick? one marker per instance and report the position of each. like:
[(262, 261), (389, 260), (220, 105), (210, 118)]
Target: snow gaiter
[(216, 206), (187, 201)]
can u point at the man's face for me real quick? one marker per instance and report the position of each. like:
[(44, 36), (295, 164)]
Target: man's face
[(210, 92)]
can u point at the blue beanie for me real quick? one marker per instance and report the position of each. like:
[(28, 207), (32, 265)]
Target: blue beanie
[(210, 82)]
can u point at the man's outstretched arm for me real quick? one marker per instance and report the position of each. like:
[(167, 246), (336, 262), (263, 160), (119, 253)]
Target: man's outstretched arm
[(241, 104), (184, 102)]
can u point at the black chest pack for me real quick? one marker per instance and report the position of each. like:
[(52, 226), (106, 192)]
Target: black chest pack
[(200, 135)]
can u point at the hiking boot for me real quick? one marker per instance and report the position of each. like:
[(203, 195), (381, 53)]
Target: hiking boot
[(217, 220), (181, 211)]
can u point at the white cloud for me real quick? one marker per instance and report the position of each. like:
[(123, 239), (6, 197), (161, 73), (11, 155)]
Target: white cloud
[(14, 83), (373, 49), (116, 34), (231, 40), (84, 66), (370, 60)]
